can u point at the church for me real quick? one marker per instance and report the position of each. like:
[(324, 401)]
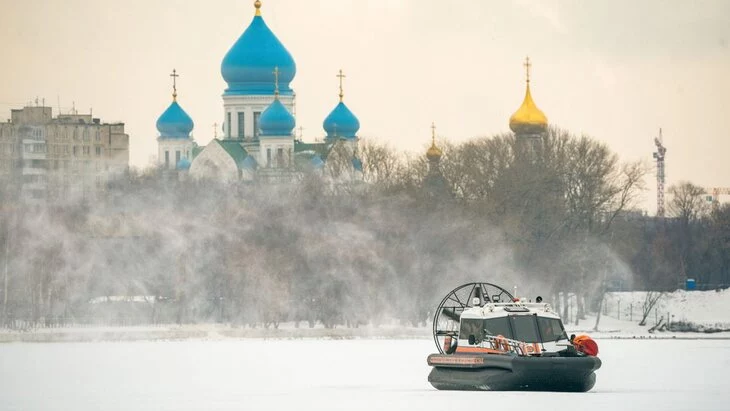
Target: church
[(258, 141)]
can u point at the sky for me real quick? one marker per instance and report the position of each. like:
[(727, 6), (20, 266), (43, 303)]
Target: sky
[(615, 70)]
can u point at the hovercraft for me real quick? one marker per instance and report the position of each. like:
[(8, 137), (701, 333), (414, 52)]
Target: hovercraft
[(489, 340)]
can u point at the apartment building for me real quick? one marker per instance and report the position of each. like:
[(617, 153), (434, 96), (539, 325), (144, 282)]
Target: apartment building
[(46, 158)]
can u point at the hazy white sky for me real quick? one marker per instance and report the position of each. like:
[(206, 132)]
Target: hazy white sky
[(617, 70)]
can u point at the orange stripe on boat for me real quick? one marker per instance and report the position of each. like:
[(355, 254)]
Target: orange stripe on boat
[(478, 350)]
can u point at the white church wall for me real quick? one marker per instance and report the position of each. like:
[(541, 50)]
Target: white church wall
[(273, 145), (248, 105), (172, 146), (214, 163)]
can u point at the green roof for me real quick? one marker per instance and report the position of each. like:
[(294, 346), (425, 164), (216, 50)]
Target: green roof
[(197, 149), (234, 149), (319, 148)]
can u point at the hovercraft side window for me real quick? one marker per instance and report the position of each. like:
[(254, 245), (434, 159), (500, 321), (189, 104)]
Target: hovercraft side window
[(551, 329), (497, 326), (525, 330), (471, 327)]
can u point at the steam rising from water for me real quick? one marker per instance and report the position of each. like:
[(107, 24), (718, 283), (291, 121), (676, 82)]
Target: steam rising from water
[(259, 255)]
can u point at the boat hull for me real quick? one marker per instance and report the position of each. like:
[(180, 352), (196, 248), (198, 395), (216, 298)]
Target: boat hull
[(498, 372)]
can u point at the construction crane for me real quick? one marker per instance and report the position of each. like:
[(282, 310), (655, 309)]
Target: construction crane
[(715, 193), (659, 156)]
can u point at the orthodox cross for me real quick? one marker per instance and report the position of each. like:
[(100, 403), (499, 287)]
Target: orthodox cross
[(433, 134), (215, 130), (527, 67), (301, 132), (276, 81), (341, 76), (174, 76)]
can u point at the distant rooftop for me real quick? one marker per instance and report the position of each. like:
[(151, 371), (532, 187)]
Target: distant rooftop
[(44, 115)]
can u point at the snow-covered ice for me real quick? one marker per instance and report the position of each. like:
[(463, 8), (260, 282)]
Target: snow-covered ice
[(359, 374)]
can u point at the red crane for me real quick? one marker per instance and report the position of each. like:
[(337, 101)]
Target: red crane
[(715, 193)]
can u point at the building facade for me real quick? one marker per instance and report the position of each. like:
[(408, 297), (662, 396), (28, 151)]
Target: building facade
[(259, 107), (64, 157)]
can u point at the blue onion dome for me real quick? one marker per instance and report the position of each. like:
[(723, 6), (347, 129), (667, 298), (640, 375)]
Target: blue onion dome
[(247, 65), (249, 163), (183, 164), (341, 122), (276, 120), (317, 162), (175, 122)]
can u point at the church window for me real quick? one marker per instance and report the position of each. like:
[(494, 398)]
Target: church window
[(177, 156), (241, 125), (167, 158), (228, 124), (98, 150), (280, 157), (268, 157), (256, 116)]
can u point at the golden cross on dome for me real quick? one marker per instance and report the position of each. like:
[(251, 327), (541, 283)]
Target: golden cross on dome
[(174, 76), (527, 67), (276, 81), (433, 134), (341, 76), (257, 4)]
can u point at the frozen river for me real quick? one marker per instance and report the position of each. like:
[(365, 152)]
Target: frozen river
[(336, 375)]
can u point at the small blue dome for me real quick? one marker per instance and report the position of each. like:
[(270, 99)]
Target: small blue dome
[(183, 164), (248, 66), (317, 162), (341, 122), (175, 122), (276, 120), (249, 163), (356, 164)]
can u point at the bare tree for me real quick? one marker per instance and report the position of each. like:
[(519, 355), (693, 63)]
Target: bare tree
[(687, 202), (382, 166), (650, 300)]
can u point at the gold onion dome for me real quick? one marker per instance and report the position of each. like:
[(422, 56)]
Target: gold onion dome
[(433, 153), (528, 119)]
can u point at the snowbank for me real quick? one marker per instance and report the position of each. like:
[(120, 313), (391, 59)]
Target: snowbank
[(706, 310)]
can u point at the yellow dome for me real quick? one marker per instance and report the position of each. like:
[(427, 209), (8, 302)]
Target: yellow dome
[(528, 119), (433, 153)]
